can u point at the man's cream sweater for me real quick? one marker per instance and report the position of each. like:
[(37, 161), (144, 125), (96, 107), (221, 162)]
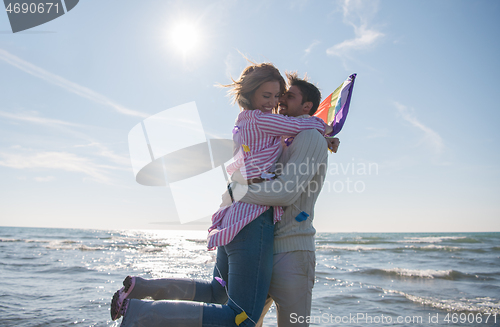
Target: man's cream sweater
[(304, 165)]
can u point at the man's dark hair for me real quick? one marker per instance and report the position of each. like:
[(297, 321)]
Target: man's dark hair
[(309, 91)]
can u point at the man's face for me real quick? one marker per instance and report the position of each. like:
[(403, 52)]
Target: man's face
[(290, 103)]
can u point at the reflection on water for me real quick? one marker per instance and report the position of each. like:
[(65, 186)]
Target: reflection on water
[(61, 277)]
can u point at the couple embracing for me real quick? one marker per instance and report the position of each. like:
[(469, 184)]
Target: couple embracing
[(263, 230)]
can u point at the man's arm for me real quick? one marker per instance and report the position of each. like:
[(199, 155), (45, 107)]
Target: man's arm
[(307, 152)]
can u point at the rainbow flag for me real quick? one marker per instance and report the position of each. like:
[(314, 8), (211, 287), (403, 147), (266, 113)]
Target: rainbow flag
[(333, 110)]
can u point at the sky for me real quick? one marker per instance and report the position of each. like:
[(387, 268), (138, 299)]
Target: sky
[(417, 149)]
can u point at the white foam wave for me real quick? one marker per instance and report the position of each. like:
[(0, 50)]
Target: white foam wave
[(430, 239), (9, 240), (22, 240), (434, 247), (425, 273), (349, 248), (72, 245), (479, 304)]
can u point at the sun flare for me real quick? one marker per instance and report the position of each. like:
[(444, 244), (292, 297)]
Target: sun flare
[(185, 37)]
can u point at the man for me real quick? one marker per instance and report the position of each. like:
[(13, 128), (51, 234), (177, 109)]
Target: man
[(303, 169)]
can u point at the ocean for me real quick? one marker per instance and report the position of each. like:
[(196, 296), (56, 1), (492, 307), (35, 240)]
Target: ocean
[(66, 277)]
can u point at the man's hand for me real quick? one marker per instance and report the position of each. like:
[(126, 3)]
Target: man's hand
[(226, 199), (333, 144), (237, 177), (328, 129)]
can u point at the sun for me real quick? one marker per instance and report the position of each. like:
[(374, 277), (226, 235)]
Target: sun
[(185, 37)]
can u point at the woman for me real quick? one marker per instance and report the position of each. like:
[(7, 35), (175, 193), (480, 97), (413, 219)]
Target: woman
[(257, 137), (243, 235)]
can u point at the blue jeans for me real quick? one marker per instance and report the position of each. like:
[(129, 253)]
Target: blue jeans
[(245, 264)]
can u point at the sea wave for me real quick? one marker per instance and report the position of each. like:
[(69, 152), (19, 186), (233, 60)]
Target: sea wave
[(66, 270), (414, 247), (485, 305), (430, 247), (14, 240), (84, 247), (355, 241), (419, 273), (146, 247), (353, 271), (424, 273), (434, 247), (3, 239), (438, 239), (349, 248)]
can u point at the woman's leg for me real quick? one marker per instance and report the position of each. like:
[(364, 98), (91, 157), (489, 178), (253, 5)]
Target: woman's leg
[(250, 262), (149, 313), (182, 288), (212, 291), (140, 313), (249, 267), (163, 289)]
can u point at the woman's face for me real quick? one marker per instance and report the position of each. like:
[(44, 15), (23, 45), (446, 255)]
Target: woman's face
[(266, 97)]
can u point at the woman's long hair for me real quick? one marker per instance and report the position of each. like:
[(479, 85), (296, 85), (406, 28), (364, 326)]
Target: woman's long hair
[(251, 79)]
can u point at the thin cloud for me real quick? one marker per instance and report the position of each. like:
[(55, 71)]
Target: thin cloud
[(377, 132), (65, 84), (365, 38), (362, 10), (44, 179), (55, 160), (358, 14), (104, 152), (37, 119), (432, 138), (309, 48), (298, 5)]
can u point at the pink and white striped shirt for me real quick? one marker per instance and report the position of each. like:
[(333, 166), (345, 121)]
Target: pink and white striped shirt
[(258, 136)]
